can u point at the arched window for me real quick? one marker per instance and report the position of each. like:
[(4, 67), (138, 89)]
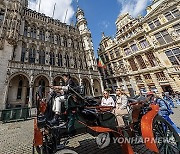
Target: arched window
[(75, 62), (51, 37), (72, 43), (52, 58), (23, 52), (65, 42), (20, 87), (42, 84), (81, 63), (58, 40), (60, 60), (32, 55), (25, 29), (33, 32), (67, 60), (42, 35), (41, 57)]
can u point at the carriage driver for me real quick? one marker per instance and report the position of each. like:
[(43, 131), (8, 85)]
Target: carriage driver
[(64, 91)]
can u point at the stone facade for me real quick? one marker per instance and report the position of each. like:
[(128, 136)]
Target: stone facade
[(145, 53), (36, 50)]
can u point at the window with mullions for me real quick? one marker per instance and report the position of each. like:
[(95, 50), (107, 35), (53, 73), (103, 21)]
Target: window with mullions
[(1, 16), (177, 28), (75, 62), (111, 54), (163, 37), (134, 47), (23, 53), (42, 35), (174, 56), (117, 52), (172, 14), (151, 58), (60, 60), (58, 40), (133, 64), (106, 57), (154, 23), (51, 37), (127, 51), (67, 60), (52, 58), (41, 57), (20, 87), (143, 43), (81, 63), (141, 62), (33, 32), (32, 55), (25, 30)]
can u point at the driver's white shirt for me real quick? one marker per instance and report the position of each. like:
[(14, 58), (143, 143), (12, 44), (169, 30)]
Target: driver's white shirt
[(107, 102)]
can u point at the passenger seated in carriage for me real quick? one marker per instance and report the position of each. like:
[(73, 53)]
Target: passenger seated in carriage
[(121, 106), (107, 100), (64, 92)]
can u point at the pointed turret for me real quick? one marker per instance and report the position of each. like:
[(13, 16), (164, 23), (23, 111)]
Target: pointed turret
[(86, 36)]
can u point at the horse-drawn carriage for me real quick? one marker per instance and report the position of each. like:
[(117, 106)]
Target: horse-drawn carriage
[(83, 114)]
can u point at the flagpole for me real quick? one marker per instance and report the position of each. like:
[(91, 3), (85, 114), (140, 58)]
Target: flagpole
[(65, 16), (54, 10), (39, 5)]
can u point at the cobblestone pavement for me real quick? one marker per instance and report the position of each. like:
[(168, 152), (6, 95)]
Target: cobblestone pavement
[(16, 138)]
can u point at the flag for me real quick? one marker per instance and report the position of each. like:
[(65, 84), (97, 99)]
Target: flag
[(100, 63)]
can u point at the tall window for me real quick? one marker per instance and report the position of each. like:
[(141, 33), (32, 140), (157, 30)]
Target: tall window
[(163, 37), (67, 60), (52, 58), (81, 63), (151, 58), (143, 43), (133, 64), (1, 16), (127, 51), (172, 14), (33, 32), (141, 62), (154, 23), (23, 52), (110, 69), (60, 60), (134, 47), (106, 57), (75, 62), (65, 42), (117, 52), (174, 56), (177, 28), (42, 35), (41, 57), (32, 55), (51, 37), (58, 40), (43, 85), (111, 54), (25, 30), (20, 87)]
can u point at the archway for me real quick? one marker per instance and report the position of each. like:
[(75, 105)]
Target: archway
[(58, 81), (43, 81), (75, 80), (97, 87), (87, 86), (18, 91)]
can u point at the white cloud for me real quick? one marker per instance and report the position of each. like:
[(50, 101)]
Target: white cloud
[(134, 7), (47, 7)]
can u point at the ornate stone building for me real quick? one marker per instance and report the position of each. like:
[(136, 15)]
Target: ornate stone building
[(145, 53), (36, 50)]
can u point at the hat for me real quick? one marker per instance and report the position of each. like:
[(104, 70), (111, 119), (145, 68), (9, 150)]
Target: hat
[(150, 93)]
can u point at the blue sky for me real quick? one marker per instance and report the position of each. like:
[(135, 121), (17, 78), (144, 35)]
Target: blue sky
[(101, 14)]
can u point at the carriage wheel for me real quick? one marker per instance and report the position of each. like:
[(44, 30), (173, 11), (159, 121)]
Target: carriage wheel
[(167, 139), (65, 151)]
